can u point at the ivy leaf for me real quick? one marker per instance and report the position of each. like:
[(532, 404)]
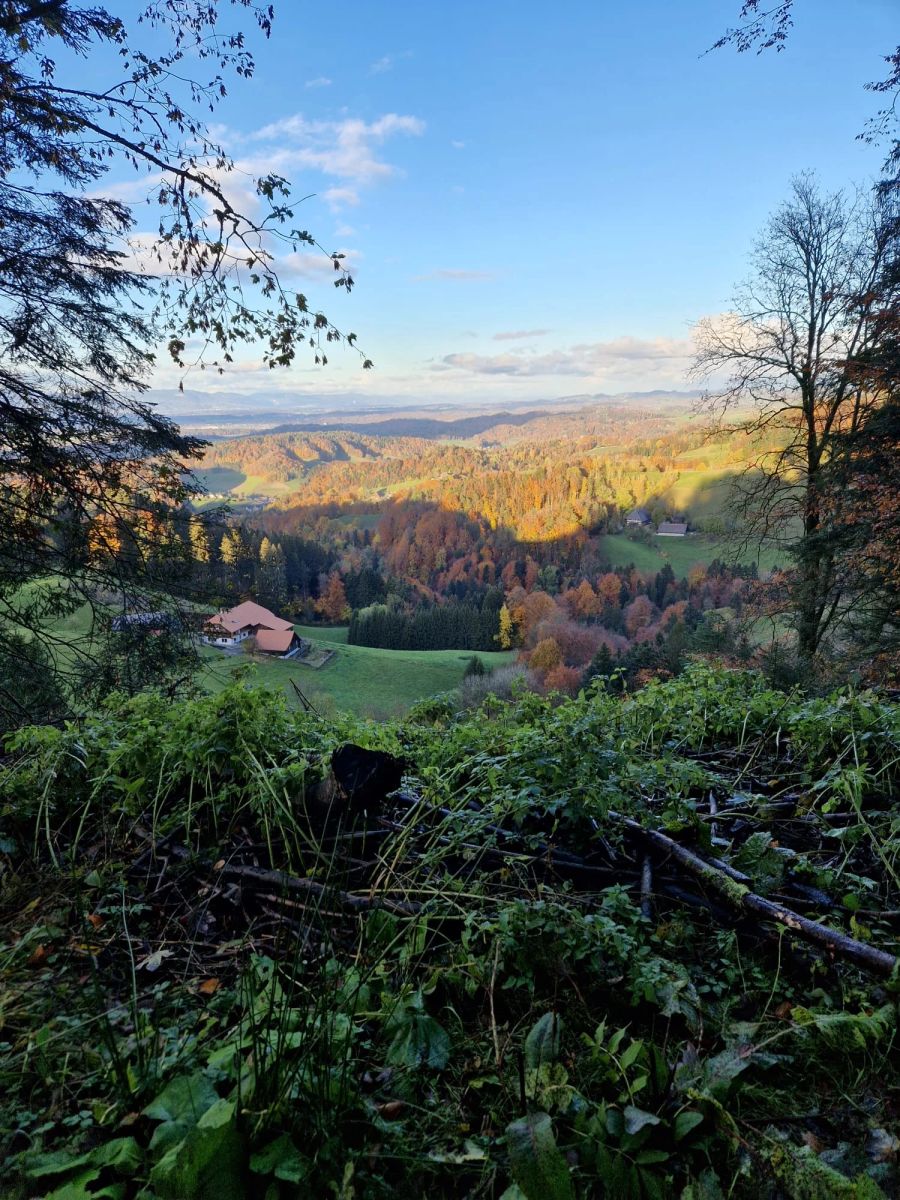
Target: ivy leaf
[(538, 1166)]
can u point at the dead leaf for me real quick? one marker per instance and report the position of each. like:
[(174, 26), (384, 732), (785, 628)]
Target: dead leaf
[(96, 920), (209, 986), (391, 1109), (38, 956), (153, 961), (882, 1146), (784, 1009), (217, 866), (815, 1143)]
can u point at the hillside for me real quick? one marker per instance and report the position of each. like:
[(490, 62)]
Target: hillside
[(538, 474), (365, 680), (592, 948)]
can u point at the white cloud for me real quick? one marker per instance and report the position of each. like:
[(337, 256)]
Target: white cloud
[(455, 274), (321, 82), (518, 335), (311, 265), (621, 357), (387, 62), (340, 197), (344, 148), (457, 145)]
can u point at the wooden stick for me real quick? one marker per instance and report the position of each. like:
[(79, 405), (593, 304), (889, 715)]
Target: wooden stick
[(739, 896), (280, 880), (647, 887)]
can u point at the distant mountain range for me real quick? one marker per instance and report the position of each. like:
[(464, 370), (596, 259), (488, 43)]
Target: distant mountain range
[(229, 413)]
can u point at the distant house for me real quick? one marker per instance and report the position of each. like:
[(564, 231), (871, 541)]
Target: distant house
[(144, 622), (281, 643), (638, 516), (245, 620), (672, 529)]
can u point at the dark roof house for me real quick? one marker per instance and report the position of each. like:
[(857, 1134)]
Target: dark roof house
[(145, 622), (672, 529), (638, 516)]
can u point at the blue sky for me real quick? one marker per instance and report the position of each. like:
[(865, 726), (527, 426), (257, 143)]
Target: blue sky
[(539, 201)]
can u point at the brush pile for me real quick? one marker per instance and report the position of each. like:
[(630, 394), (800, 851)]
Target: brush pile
[(600, 947)]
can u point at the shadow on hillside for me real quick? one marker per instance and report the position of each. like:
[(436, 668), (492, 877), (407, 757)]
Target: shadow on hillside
[(422, 538), (421, 427)]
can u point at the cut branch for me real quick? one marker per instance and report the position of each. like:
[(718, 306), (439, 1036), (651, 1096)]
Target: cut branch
[(739, 896)]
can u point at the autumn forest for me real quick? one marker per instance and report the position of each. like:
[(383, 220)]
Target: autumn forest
[(449, 600)]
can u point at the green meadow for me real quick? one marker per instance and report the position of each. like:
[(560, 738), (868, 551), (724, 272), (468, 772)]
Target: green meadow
[(681, 553), (359, 679)]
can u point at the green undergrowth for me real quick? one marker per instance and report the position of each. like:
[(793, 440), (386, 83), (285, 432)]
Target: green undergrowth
[(435, 1016)]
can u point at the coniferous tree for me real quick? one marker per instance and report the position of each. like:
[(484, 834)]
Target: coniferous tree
[(271, 577), (84, 458)]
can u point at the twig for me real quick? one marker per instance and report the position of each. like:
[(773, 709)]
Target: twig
[(494, 1032), (294, 883), (647, 887)]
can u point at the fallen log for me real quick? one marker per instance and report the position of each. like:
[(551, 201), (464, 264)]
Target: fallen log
[(739, 896)]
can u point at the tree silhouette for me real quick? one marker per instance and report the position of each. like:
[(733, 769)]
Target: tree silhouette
[(88, 469)]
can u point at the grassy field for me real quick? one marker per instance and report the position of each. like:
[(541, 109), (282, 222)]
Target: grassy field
[(332, 635), (359, 679), (680, 553)]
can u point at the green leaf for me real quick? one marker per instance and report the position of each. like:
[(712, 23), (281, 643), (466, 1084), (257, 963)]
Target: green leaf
[(420, 1041), (185, 1099), (55, 1162), (471, 1152), (685, 1122), (81, 1188), (122, 1155), (542, 1043), (720, 1071), (630, 1055), (282, 1159), (763, 861), (705, 1188), (548, 1085), (208, 1162), (637, 1119), (645, 1157), (538, 1166)]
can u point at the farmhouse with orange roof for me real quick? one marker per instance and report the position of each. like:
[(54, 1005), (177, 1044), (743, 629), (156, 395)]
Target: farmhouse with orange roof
[(273, 634)]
